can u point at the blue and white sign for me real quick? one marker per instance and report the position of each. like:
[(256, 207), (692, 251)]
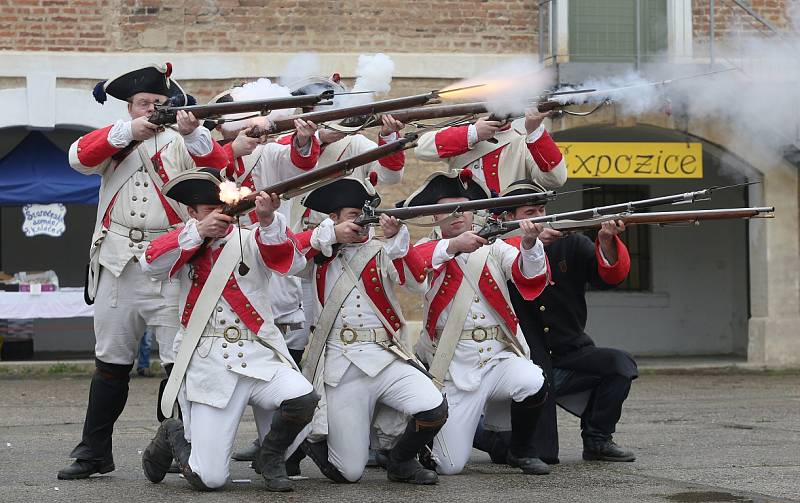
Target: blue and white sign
[(43, 219)]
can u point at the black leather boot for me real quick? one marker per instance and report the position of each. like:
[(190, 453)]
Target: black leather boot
[(108, 393), (291, 418), (157, 456), (522, 451), (403, 465), (605, 450)]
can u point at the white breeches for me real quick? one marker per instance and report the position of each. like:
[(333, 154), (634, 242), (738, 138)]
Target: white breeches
[(351, 408), (125, 306), (510, 379), (213, 430)]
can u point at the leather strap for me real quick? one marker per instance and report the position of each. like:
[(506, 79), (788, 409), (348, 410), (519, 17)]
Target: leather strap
[(206, 301), (454, 325), (331, 308), (147, 162)]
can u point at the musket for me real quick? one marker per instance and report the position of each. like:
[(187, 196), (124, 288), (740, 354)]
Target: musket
[(356, 113), (168, 114), (494, 227), (664, 218)]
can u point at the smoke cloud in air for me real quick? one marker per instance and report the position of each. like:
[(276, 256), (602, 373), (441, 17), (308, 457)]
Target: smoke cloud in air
[(258, 90), (509, 88), (373, 73), (300, 67)]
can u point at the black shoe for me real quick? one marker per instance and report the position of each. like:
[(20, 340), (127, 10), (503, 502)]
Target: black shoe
[(82, 469), (318, 452), (411, 472), (157, 456), (529, 466), (382, 458), (606, 450), (248, 453)]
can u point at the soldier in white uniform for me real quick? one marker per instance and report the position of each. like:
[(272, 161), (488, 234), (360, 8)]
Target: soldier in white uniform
[(497, 153), (471, 338), (236, 355), (131, 212), (357, 355)]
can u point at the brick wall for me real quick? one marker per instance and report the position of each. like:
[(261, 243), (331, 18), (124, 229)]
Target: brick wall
[(502, 26), (731, 21)]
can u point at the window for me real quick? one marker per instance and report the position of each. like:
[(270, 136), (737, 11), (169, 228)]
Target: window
[(636, 238), (605, 31)]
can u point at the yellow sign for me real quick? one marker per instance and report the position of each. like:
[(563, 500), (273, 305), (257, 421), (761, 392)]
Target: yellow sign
[(633, 159)]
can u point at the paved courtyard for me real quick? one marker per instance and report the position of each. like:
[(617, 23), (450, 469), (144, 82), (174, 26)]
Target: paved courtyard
[(723, 437)]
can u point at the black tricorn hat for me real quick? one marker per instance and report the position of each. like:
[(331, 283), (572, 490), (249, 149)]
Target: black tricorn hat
[(346, 192), (316, 85), (519, 188), (153, 79), (455, 183), (198, 186)]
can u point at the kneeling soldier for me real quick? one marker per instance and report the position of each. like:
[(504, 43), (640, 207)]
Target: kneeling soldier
[(230, 350), (358, 357), (470, 338)]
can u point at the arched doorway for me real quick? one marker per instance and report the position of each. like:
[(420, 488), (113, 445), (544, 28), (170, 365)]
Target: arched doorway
[(697, 288)]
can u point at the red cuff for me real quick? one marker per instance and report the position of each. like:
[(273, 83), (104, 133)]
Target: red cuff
[(452, 141), (415, 262), (424, 253), (217, 158), (167, 243), (529, 288), (278, 257), (93, 148), (394, 162), (304, 163), (545, 152), (613, 274)]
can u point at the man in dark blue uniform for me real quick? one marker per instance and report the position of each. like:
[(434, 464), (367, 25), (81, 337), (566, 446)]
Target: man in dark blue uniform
[(588, 381)]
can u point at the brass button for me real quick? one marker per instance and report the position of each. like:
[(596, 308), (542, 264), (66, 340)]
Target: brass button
[(236, 320), (244, 365), (546, 329), (141, 215), (224, 344), (130, 244), (480, 350), (137, 183), (134, 198), (240, 355), (474, 316), (541, 308), (225, 355), (241, 343), (146, 184), (228, 367), (133, 213), (222, 322), (219, 309), (144, 199)]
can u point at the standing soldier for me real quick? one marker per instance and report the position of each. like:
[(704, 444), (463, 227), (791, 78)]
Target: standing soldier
[(497, 153), (588, 381), (131, 212), (357, 355), (470, 337), (236, 355)]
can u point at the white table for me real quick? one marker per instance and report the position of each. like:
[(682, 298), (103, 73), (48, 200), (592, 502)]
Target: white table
[(64, 303)]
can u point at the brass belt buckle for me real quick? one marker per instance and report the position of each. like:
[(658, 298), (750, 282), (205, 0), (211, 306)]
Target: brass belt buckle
[(232, 334), (136, 235), (479, 334), (348, 339)]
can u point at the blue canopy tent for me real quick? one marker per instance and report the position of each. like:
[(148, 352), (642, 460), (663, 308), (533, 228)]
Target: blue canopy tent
[(38, 172)]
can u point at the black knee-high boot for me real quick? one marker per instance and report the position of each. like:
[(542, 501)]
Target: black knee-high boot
[(403, 465), (290, 419), (108, 393), (524, 416)]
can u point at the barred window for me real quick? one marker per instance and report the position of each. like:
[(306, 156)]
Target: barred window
[(636, 238)]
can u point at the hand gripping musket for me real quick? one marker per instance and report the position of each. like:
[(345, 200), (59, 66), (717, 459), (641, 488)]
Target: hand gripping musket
[(168, 114), (494, 228)]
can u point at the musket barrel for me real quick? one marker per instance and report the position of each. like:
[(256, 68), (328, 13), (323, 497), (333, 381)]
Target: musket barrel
[(366, 109)]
